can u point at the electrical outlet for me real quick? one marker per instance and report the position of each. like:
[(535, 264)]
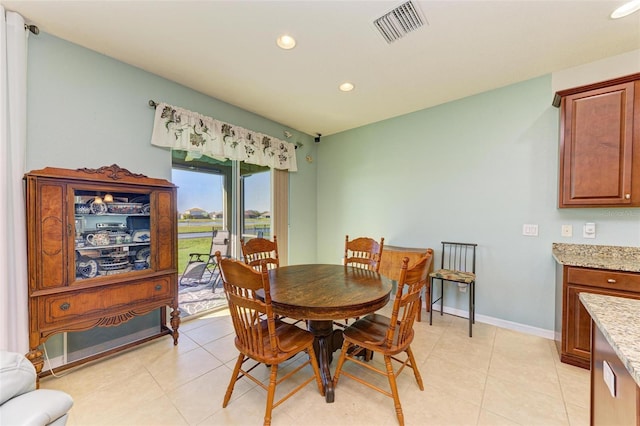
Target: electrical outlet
[(567, 231)]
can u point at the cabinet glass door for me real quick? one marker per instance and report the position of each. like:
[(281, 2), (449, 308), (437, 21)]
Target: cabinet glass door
[(112, 232)]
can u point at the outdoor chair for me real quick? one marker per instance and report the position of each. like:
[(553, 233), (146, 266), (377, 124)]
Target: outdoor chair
[(201, 266), (260, 337), (388, 336)]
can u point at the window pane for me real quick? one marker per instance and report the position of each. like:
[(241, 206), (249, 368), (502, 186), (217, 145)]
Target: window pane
[(257, 204)]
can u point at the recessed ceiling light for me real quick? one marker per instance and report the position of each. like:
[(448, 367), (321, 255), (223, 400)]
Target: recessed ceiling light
[(286, 42), (347, 87), (626, 9)]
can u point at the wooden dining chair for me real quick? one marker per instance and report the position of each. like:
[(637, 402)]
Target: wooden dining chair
[(391, 265), (388, 336), (258, 250), (259, 335), (363, 252)]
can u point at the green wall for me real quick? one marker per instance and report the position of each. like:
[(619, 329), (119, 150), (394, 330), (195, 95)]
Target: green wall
[(473, 170), (87, 110), (476, 169)]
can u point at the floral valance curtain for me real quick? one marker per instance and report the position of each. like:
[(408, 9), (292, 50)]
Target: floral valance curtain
[(199, 135)]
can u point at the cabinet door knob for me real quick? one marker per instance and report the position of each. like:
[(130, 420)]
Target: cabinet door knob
[(158, 287), (611, 281), (627, 196), (65, 306)]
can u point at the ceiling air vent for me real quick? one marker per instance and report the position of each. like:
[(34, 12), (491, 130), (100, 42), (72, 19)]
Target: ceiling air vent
[(399, 22)]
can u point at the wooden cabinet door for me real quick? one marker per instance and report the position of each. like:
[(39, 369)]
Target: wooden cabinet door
[(47, 236), (578, 325), (577, 332), (164, 215), (596, 149)]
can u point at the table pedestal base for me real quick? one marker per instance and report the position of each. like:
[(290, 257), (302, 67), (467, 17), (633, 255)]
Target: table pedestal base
[(327, 340)]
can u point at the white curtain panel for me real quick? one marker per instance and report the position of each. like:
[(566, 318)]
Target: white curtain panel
[(14, 332)]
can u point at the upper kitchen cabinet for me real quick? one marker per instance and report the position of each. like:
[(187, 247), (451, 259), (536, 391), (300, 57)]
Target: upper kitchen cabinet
[(600, 144)]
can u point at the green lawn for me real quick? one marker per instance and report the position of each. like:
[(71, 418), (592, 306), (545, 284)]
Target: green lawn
[(191, 245)]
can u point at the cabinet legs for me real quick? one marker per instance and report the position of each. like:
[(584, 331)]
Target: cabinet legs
[(175, 323), (35, 356)]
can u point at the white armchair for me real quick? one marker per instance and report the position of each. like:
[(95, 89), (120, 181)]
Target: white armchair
[(21, 403)]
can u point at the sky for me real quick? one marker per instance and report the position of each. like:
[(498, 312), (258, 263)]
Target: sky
[(204, 190)]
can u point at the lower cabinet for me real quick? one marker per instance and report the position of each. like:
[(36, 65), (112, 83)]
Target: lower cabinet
[(575, 345)]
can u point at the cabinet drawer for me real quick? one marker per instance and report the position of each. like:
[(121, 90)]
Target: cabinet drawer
[(605, 279), (97, 301)]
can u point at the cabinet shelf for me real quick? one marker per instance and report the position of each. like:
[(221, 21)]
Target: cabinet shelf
[(111, 246), (110, 214)]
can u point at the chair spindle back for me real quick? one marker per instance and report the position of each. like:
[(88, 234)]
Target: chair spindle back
[(407, 302), (363, 252), (260, 250), (248, 309), (459, 256)]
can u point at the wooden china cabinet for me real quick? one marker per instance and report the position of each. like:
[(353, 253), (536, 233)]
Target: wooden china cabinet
[(102, 249)]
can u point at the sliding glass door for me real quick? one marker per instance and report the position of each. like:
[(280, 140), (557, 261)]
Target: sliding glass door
[(221, 195)]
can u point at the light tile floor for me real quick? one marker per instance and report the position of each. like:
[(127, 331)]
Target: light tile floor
[(498, 377)]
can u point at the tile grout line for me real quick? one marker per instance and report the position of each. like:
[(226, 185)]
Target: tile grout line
[(486, 377)]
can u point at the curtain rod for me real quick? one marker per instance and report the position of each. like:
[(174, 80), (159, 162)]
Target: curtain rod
[(152, 103)]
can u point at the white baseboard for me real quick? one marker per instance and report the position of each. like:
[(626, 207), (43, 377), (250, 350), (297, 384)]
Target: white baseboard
[(509, 325)]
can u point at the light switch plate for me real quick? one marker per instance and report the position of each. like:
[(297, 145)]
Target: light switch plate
[(530, 230), (567, 230), (589, 230)]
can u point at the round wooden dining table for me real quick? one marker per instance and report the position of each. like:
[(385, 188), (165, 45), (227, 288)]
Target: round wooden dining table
[(323, 293)]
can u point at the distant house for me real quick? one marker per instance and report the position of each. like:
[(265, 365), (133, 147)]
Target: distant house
[(216, 215), (196, 213), (251, 214), (265, 215)]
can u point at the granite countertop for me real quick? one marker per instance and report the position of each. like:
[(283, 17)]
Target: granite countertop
[(619, 320), (615, 258)]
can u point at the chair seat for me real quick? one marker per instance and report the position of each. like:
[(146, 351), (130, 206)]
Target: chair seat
[(452, 275), (369, 332), (290, 337)]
